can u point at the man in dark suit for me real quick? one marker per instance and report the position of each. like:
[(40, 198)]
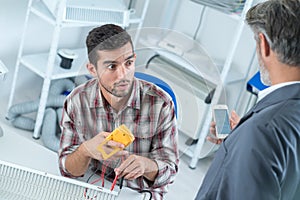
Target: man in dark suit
[(260, 159)]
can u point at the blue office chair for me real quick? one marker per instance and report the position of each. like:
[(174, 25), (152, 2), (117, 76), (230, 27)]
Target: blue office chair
[(160, 83), (254, 85)]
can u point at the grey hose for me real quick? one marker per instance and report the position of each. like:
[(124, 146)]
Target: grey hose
[(25, 123), (61, 85), (49, 136), (78, 80), (59, 114), (55, 100), (32, 106), (22, 108), (1, 131)]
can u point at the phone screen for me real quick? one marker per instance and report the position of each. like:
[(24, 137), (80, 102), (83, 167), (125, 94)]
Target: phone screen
[(222, 121)]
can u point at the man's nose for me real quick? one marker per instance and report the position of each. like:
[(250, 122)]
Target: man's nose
[(121, 72)]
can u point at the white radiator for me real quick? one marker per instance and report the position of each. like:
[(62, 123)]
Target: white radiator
[(17, 182), (92, 11)]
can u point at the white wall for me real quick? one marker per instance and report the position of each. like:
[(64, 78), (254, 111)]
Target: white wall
[(215, 35), (12, 14), (38, 39)]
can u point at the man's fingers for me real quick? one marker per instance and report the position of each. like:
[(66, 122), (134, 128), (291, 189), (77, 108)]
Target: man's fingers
[(133, 174), (112, 143), (214, 140), (212, 128), (234, 119), (126, 166), (126, 163), (122, 153)]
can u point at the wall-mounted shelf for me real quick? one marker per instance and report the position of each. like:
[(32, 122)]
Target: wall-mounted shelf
[(38, 62), (226, 6)]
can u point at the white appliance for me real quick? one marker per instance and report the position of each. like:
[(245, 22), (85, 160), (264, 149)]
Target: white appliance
[(91, 11), (190, 90), (18, 182)]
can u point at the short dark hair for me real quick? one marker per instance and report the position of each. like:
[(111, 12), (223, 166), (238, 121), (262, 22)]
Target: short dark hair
[(106, 37), (279, 21)]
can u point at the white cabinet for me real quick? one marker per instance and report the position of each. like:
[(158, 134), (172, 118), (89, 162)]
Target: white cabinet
[(58, 15)]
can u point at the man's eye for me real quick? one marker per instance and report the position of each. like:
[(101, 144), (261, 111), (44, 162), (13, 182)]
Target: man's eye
[(129, 62), (112, 66)]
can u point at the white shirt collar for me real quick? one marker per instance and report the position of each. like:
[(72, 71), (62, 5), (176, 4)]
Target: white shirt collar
[(265, 92)]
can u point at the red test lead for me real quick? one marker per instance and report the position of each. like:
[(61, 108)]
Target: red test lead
[(114, 183)]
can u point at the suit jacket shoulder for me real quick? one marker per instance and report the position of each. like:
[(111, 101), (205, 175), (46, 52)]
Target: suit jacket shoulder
[(259, 160)]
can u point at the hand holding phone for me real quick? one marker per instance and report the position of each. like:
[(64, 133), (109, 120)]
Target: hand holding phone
[(222, 122)]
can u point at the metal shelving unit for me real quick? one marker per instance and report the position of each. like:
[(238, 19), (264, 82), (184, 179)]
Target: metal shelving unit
[(46, 64), (224, 74)]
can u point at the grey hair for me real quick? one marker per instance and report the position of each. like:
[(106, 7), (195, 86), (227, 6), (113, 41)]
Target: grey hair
[(279, 21)]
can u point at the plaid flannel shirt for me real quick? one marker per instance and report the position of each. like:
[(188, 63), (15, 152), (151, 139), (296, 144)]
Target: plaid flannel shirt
[(149, 115)]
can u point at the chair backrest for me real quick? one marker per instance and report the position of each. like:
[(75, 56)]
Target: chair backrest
[(254, 84), (160, 83)]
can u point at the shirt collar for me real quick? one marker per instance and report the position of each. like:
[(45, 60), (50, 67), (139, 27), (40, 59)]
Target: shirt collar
[(265, 92), (134, 99)]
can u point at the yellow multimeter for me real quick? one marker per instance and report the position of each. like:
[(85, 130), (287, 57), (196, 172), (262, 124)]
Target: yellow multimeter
[(122, 135)]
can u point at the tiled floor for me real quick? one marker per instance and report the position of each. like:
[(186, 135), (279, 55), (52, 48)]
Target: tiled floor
[(185, 186)]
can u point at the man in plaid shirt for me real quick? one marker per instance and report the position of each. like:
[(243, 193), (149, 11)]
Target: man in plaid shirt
[(114, 97)]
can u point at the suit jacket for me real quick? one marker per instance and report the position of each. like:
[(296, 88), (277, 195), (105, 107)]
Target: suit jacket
[(260, 159)]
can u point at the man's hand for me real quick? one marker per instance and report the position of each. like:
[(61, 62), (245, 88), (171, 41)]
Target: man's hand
[(78, 161), (234, 120), (212, 131), (90, 147), (135, 166)]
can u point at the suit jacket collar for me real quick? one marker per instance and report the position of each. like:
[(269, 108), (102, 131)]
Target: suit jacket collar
[(279, 95)]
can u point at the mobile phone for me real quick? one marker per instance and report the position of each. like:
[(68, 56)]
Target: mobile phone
[(221, 117)]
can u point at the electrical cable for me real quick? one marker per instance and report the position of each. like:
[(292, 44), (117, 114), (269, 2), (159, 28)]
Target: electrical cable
[(121, 182), (86, 196), (150, 59), (146, 191), (199, 23), (129, 5), (94, 172)]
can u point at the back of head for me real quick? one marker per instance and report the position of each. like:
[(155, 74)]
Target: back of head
[(106, 37), (279, 21)]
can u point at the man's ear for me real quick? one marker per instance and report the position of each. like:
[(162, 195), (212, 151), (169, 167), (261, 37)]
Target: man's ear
[(264, 45), (92, 69)]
